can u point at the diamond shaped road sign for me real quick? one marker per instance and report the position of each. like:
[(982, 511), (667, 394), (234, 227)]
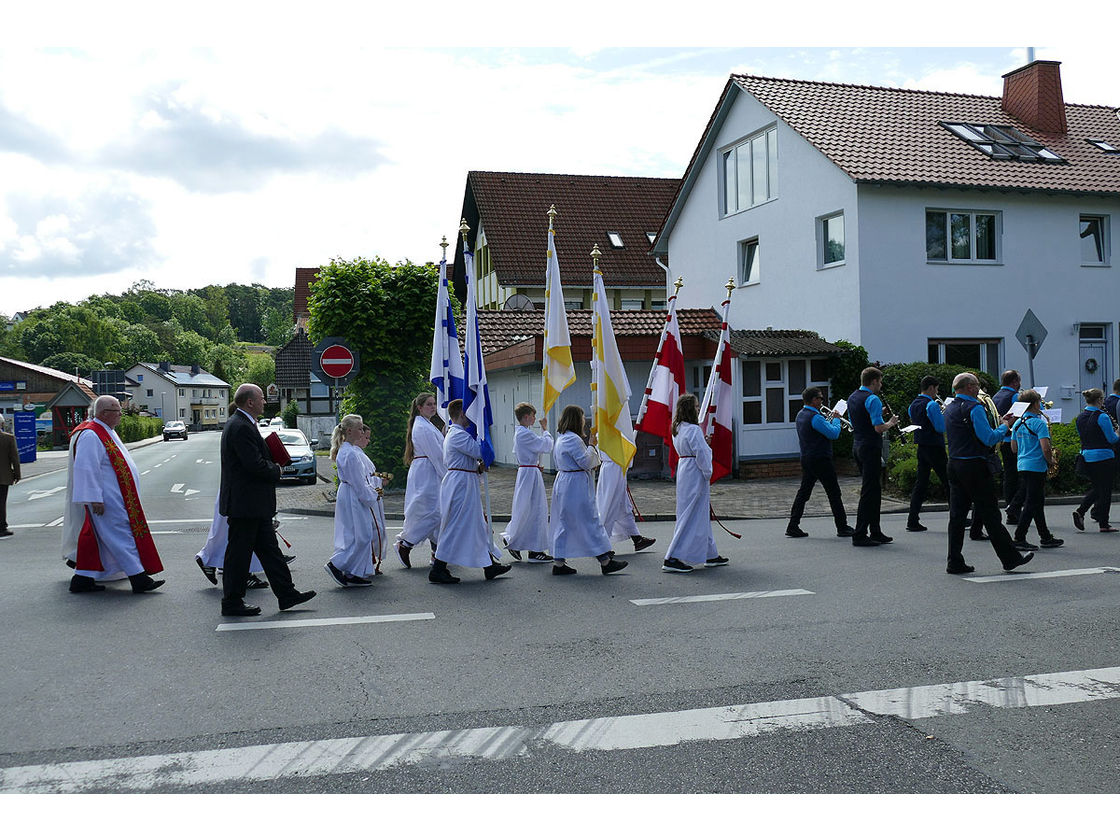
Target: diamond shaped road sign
[(1031, 333)]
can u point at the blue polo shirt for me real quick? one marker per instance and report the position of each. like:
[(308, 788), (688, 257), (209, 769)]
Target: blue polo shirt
[(1027, 433)]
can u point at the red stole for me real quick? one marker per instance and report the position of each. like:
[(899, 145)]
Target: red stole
[(89, 555)]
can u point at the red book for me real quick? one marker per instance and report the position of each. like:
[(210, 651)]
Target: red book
[(276, 448)]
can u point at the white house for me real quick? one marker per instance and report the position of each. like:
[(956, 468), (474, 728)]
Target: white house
[(920, 225), (180, 392)]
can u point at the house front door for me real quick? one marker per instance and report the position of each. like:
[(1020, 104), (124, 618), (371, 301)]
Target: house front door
[(1093, 348)]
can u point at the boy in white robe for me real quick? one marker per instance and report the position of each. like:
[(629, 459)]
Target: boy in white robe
[(424, 456), (464, 534), (528, 518)]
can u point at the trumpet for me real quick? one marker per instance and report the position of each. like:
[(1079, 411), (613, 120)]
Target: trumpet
[(829, 414), (895, 430)]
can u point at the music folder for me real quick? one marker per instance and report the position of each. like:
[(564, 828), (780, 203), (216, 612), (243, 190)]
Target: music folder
[(276, 449)]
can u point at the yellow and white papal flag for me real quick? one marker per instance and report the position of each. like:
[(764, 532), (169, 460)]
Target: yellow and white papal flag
[(557, 367), (610, 389)]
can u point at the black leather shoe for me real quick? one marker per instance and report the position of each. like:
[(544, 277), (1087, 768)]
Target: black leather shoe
[(296, 598), (1051, 542), (562, 570), (1023, 545), (240, 609), (142, 583), (916, 527), (979, 537), (882, 538), (864, 542), (1079, 520), (81, 583), (337, 574), (613, 565), (1014, 564), (642, 543), (794, 531), (846, 531), (495, 569), (440, 574), (209, 571), (959, 568)]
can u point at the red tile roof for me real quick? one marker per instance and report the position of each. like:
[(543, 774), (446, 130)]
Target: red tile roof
[(777, 343), (304, 278), (500, 328), (513, 208), (877, 134)]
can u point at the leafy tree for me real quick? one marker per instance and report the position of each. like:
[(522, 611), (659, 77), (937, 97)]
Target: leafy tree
[(156, 305), (385, 312), (191, 313), (277, 327), (72, 362), (138, 344), (262, 370), (190, 349), (216, 301), (244, 311)]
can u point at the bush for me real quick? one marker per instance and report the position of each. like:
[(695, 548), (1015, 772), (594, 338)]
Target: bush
[(133, 428), (902, 382), (290, 413)]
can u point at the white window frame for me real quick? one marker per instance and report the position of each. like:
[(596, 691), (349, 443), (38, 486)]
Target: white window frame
[(730, 158), (632, 304), (1106, 239), (949, 259), (783, 382), (985, 367), (745, 272), (822, 240), (614, 238)]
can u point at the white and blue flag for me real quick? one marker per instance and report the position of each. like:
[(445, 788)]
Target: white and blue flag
[(476, 399), (446, 371)]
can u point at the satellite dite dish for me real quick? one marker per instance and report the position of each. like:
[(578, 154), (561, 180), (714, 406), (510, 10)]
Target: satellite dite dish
[(518, 302)]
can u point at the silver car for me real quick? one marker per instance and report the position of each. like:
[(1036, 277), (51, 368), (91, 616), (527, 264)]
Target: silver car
[(302, 467)]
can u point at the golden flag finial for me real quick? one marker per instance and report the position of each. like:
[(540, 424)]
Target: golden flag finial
[(595, 254), (678, 284), (464, 229)]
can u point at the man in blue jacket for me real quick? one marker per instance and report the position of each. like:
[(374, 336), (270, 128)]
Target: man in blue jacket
[(925, 411), (815, 435)]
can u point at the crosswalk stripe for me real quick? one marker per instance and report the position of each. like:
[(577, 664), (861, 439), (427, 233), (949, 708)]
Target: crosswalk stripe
[(495, 743), (1033, 575), (324, 622), (729, 596)]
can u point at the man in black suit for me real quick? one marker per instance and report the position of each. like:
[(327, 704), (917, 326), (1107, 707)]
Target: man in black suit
[(248, 499)]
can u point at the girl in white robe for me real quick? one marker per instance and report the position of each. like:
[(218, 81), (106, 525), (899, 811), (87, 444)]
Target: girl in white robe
[(464, 534), (423, 452), (359, 521), (212, 557), (528, 518), (692, 541), (612, 500), (574, 527)]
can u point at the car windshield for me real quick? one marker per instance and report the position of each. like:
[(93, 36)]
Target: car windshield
[(292, 437)]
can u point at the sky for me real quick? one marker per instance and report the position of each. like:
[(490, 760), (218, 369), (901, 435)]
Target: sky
[(244, 140)]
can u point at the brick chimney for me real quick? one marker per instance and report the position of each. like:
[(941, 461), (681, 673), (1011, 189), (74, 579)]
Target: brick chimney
[(1033, 95)]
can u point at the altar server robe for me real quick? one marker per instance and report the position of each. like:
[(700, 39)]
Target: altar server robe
[(693, 542), (528, 518), (574, 529), (213, 554), (613, 501), (359, 522), (464, 536), (421, 498)]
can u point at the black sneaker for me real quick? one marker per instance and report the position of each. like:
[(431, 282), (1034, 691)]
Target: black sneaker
[(882, 538), (794, 531), (1023, 545), (846, 531), (642, 543), (495, 569), (338, 575), (1014, 564), (1051, 542), (1079, 520), (1012, 518), (613, 565), (864, 542), (4, 534), (254, 582), (209, 571), (562, 569), (441, 574), (959, 569), (539, 557), (717, 561), (515, 554), (917, 526), (672, 564), (402, 554)]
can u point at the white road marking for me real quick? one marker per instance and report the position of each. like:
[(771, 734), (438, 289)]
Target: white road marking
[(42, 494), (324, 622), (495, 743), (177, 488), (198, 461), (157, 466), (55, 523), (1034, 575), (165, 532), (176, 521), (729, 596), (190, 493), (145, 472)]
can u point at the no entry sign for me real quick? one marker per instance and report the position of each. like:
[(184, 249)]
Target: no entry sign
[(333, 361)]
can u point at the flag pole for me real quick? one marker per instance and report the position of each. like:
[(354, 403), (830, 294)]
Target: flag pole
[(595, 254), (709, 394), (671, 308), (548, 303), (464, 229)]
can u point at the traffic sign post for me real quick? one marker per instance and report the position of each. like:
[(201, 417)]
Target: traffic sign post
[(1031, 334), (335, 360)]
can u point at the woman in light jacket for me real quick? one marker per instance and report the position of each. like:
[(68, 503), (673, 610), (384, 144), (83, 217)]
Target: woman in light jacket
[(693, 543), (423, 453), (359, 521), (574, 529)]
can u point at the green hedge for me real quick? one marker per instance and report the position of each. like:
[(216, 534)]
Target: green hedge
[(133, 428)]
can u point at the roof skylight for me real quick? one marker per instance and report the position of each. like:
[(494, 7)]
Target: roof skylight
[(616, 240), (1002, 142), (1103, 145)]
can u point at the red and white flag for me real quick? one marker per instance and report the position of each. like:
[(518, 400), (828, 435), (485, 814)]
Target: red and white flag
[(715, 411), (666, 383)]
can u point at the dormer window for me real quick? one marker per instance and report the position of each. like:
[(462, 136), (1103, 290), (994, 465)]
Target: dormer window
[(1002, 142), (615, 239), (1103, 145), (651, 235)]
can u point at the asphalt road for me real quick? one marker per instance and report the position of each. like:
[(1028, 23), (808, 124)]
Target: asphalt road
[(533, 683)]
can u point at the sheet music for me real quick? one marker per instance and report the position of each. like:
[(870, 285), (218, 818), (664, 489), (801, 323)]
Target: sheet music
[(911, 428), (1017, 408), (1054, 415), (840, 407), (1042, 389)]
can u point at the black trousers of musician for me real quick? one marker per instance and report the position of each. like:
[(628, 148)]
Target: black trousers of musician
[(971, 485), (1013, 490), (824, 471), (869, 459), (1100, 492), (246, 537), (3, 507), (1033, 485), (930, 458)]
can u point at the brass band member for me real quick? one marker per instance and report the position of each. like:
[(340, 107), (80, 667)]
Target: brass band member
[(1030, 441), (1010, 383), (815, 435), (925, 411), (866, 412), (1097, 437)]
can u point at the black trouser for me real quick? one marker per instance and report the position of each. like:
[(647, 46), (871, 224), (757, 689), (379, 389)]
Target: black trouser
[(1033, 485), (1013, 490), (930, 457), (1100, 493), (247, 536), (970, 484), (869, 459), (824, 471), (3, 507)]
